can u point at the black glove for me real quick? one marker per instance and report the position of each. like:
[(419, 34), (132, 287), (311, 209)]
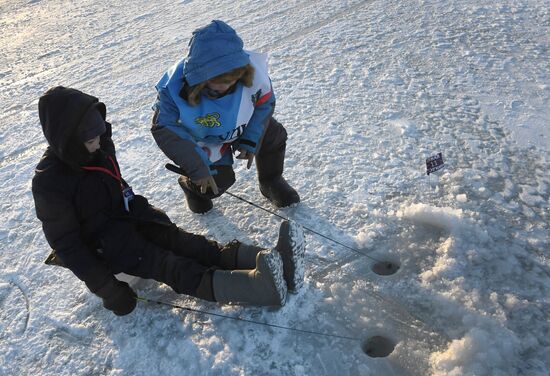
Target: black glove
[(117, 297)]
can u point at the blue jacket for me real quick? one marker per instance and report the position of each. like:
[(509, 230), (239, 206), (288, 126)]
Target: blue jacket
[(207, 131)]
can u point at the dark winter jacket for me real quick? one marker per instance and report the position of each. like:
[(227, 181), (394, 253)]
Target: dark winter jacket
[(82, 210)]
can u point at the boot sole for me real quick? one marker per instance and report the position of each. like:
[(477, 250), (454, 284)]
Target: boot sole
[(274, 265), (293, 257)]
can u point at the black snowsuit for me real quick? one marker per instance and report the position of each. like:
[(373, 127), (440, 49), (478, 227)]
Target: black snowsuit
[(79, 200)]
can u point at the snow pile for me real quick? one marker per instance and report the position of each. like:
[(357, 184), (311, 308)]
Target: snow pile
[(447, 219), (469, 280), (476, 352)]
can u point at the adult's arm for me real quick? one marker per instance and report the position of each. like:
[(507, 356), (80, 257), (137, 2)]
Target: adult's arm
[(175, 142)]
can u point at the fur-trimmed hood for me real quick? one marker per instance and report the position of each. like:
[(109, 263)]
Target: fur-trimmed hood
[(214, 49)]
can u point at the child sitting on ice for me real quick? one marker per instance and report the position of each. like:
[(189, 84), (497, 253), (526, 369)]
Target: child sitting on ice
[(99, 228)]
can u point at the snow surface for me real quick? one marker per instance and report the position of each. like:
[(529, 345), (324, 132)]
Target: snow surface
[(367, 90)]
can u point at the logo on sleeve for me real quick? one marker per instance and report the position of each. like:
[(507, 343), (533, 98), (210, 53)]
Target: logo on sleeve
[(209, 120)]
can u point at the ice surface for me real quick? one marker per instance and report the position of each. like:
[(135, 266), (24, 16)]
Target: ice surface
[(366, 90)]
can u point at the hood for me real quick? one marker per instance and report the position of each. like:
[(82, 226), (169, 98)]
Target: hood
[(213, 50), (61, 111)]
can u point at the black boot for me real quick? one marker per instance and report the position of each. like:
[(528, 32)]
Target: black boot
[(196, 203), (270, 164), (279, 192)]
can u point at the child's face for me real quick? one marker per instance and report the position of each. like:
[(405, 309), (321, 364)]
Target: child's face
[(92, 145), (220, 87)]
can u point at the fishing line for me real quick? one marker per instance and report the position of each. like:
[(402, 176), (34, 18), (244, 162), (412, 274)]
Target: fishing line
[(178, 170), (303, 331)]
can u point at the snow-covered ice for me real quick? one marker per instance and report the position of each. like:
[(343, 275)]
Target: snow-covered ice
[(367, 89)]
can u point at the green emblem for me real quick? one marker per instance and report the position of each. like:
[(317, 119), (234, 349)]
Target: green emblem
[(209, 120)]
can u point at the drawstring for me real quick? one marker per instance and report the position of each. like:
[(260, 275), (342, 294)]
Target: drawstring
[(116, 175), (125, 189)]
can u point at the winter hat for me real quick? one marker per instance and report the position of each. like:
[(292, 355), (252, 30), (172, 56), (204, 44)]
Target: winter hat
[(91, 125), (213, 50)]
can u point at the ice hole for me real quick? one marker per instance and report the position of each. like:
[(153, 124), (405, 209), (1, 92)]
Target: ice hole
[(385, 267), (378, 346)]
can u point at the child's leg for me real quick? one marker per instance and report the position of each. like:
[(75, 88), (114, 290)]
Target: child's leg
[(182, 274), (271, 156), (233, 255), (263, 285), (270, 162), (262, 282), (182, 243)]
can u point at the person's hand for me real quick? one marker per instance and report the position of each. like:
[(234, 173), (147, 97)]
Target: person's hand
[(118, 297), (244, 154), (206, 182)]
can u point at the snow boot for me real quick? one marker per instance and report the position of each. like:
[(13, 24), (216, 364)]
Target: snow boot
[(270, 161), (292, 247), (279, 192), (237, 255), (196, 203), (262, 286)]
